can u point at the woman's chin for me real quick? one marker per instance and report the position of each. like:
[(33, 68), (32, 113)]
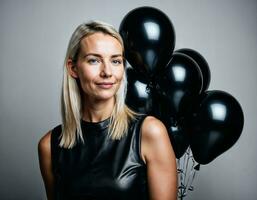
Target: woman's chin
[(104, 97)]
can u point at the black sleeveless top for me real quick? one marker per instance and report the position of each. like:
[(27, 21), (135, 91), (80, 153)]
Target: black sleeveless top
[(101, 168)]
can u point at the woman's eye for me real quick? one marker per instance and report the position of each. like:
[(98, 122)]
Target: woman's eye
[(93, 61), (117, 62)]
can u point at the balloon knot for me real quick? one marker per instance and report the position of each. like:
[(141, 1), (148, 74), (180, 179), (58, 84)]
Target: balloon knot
[(150, 86)]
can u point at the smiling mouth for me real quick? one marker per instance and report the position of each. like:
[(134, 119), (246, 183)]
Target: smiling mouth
[(105, 85)]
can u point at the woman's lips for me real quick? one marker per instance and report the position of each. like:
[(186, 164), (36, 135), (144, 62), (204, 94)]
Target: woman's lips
[(105, 85)]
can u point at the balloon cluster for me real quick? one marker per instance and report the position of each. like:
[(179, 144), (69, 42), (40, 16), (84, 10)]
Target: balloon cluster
[(173, 86)]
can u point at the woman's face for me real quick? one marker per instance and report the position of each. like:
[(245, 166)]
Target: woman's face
[(99, 66)]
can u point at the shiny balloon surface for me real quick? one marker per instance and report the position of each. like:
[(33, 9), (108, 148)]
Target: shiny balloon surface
[(216, 125), (149, 39), (180, 80), (138, 96), (201, 62)]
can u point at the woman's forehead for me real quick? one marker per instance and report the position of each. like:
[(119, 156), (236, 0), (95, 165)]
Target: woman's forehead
[(101, 43)]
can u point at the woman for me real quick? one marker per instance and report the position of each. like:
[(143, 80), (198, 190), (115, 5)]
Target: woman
[(104, 150)]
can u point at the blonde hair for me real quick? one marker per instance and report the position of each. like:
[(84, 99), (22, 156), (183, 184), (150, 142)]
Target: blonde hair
[(71, 104)]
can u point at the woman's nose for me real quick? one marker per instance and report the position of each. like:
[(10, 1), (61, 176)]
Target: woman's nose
[(106, 70)]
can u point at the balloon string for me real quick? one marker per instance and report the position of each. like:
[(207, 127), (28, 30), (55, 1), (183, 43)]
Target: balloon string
[(180, 171), (183, 177), (191, 176), (186, 177), (181, 174), (186, 169)]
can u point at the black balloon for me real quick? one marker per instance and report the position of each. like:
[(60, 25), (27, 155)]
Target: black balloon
[(202, 63), (177, 84), (143, 97), (149, 39), (138, 94), (161, 110), (176, 87), (179, 140), (215, 125)]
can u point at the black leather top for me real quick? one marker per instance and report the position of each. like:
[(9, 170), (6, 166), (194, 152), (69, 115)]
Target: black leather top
[(101, 168)]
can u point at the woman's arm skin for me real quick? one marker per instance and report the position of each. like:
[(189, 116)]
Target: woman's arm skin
[(44, 154), (160, 160)]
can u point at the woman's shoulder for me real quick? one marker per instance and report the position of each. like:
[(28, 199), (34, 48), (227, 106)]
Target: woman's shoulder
[(153, 127), (44, 144), (155, 138)]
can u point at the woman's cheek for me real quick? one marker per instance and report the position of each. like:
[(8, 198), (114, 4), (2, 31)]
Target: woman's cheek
[(120, 74)]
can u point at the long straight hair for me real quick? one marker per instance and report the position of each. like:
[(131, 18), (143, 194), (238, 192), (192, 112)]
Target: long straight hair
[(71, 103)]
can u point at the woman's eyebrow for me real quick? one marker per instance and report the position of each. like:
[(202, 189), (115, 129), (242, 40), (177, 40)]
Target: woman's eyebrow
[(117, 55), (100, 56), (92, 54)]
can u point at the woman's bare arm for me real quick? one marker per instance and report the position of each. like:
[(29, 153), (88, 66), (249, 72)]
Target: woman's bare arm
[(44, 154), (160, 160)]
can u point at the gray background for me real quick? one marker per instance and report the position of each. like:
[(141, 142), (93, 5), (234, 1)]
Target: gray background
[(33, 41)]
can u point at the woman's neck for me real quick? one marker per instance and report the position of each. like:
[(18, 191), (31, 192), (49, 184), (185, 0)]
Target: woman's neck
[(95, 111)]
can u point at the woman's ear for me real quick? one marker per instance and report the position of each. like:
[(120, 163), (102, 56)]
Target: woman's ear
[(71, 68)]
